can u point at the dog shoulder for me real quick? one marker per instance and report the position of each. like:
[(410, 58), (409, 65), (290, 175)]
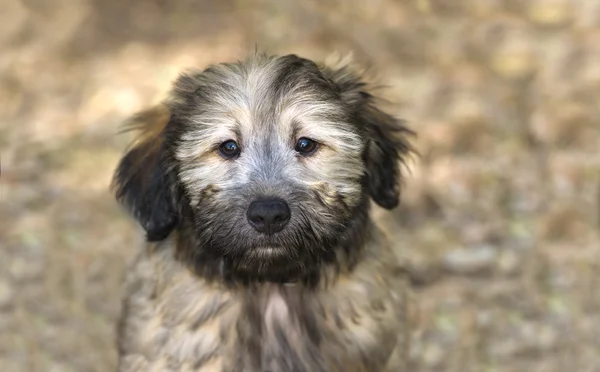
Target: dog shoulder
[(171, 318), (366, 311)]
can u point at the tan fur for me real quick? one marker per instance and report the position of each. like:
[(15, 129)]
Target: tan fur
[(181, 319), (209, 293), (148, 125)]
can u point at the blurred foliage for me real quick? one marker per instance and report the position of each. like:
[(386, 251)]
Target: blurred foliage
[(500, 215)]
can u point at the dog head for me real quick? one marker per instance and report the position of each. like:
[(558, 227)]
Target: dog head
[(267, 164)]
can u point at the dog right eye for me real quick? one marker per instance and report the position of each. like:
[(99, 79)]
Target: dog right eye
[(306, 146), (229, 149)]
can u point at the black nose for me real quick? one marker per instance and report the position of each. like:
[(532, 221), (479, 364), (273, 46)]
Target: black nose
[(268, 216)]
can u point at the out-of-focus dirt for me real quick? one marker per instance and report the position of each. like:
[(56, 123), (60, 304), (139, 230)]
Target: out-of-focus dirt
[(500, 217)]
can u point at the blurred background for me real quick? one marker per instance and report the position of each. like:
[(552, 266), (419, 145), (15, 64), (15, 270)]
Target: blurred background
[(499, 225)]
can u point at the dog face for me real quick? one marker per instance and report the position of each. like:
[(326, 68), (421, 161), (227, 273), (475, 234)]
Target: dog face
[(266, 164)]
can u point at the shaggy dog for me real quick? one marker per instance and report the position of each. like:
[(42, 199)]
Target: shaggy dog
[(253, 182)]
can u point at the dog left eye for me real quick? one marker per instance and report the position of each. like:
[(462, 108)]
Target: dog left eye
[(306, 146), (229, 149)]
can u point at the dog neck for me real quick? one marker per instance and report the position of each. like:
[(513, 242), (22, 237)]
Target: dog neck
[(275, 323)]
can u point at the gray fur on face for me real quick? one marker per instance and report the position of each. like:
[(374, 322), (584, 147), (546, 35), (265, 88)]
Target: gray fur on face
[(214, 293), (266, 104)]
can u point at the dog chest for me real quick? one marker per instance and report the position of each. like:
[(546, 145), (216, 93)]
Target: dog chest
[(276, 330), (175, 321)]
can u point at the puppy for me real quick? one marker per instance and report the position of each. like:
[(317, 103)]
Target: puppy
[(253, 183)]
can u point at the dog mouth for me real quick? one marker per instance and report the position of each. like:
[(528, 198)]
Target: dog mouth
[(267, 251)]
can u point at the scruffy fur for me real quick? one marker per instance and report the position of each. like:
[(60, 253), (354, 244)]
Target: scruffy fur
[(210, 293)]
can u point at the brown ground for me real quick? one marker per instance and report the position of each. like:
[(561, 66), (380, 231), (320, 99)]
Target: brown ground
[(500, 221)]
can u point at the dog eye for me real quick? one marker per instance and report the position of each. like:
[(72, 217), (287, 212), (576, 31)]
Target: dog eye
[(306, 146), (229, 149)]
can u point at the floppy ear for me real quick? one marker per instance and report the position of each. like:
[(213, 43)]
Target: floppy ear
[(387, 143), (385, 150), (143, 182)]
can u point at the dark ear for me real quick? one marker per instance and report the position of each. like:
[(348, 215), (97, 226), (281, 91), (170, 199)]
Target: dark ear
[(385, 149), (387, 143), (143, 182)]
